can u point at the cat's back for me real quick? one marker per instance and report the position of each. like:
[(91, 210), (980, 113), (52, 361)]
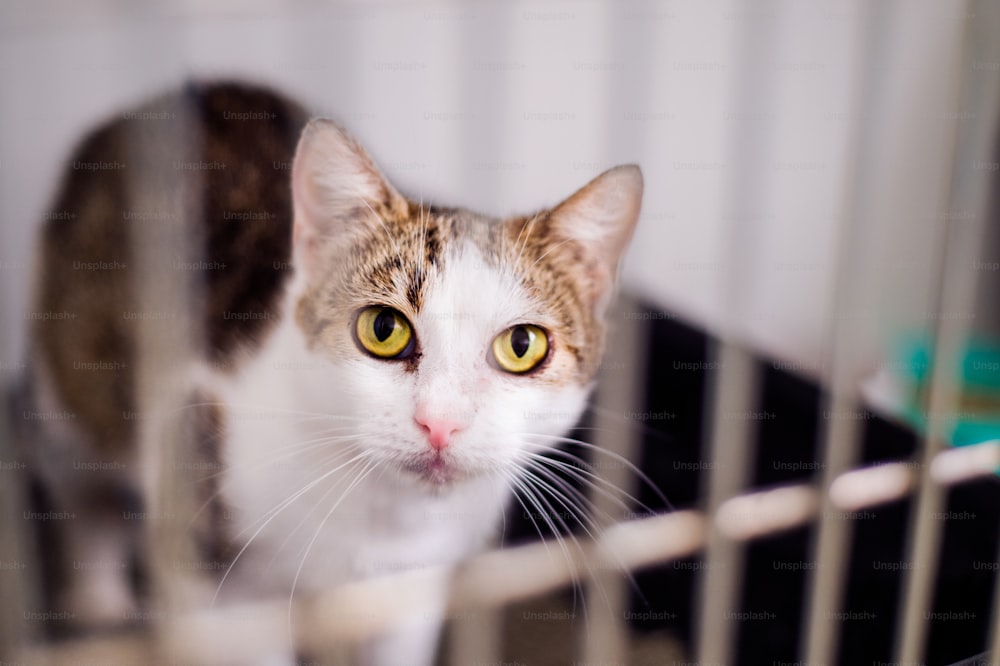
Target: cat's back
[(212, 159)]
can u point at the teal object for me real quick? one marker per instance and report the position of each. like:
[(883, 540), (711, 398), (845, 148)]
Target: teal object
[(978, 377)]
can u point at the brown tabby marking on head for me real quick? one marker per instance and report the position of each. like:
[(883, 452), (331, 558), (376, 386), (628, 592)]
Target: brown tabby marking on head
[(553, 270), (391, 265)]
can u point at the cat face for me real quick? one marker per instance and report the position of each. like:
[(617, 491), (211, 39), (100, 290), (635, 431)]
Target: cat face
[(463, 342)]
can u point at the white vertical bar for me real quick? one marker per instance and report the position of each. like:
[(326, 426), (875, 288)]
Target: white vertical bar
[(18, 584), (620, 391), (15, 579), (731, 453), (840, 437), (985, 49), (975, 144), (622, 380), (477, 634), (734, 386), (165, 342)]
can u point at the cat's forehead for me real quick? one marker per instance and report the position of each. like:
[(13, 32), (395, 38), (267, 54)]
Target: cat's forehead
[(454, 269), (473, 288)]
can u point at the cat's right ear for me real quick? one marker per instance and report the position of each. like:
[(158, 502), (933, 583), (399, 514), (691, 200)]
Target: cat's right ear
[(337, 191)]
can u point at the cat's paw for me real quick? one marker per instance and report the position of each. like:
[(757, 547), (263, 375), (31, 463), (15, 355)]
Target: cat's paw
[(99, 601)]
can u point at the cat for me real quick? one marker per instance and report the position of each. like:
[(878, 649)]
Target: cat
[(372, 374)]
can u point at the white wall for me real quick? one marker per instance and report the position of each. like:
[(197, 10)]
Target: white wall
[(510, 106)]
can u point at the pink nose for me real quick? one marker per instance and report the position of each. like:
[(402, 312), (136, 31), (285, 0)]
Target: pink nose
[(439, 431)]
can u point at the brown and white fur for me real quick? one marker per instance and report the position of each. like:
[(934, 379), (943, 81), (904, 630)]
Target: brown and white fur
[(333, 464)]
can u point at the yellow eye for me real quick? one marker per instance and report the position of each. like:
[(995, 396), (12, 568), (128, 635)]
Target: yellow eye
[(520, 348), (383, 332)]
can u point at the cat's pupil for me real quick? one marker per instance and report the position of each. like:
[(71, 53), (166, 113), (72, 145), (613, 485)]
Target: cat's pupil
[(520, 340), (384, 325)]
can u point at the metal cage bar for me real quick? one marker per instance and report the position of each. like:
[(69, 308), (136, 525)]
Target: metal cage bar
[(840, 437), (732, 391), (619, 393), (15, 588), (974, 144)]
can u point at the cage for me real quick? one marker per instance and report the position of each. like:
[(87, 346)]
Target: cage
[(804, 346)]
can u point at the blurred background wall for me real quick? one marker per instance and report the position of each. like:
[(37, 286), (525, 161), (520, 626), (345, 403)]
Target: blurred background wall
[(509, 106)]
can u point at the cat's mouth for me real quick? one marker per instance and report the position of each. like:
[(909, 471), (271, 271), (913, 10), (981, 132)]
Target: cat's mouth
[(435, 469)]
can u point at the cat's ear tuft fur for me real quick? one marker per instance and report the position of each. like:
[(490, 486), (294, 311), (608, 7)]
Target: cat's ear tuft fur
[(600, 218), (337, 190)]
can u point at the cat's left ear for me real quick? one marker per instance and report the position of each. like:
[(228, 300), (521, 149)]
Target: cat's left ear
[(600, 218)]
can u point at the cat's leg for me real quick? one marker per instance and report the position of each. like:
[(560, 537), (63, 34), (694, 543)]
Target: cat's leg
[(89, 508), (97, 562)]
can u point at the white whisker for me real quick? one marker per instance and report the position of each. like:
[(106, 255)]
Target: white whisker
[(583, 518), (614, 456), (536, 501), (274, 512), (313, 508), (369, 466), (594, 481), (266, 463)]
